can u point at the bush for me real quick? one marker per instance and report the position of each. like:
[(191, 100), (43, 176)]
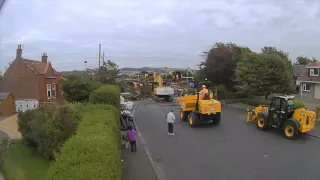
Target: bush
[(298, 104), (257, 102), (48, 127), (124, 86), (93, 153), (107, 94), (128, 97), (221, 91)]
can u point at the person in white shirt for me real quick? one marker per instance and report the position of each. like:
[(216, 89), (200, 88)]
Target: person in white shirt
[(170, 120)]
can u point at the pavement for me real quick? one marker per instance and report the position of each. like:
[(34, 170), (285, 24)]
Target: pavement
[(136, 166), (233, 150)]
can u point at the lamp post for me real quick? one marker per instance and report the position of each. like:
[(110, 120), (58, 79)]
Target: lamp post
[(85, 65)]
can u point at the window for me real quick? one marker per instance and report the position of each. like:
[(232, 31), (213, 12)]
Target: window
[(314, 72), (49, 91), (54, 92), (306, 87), (275, 103)]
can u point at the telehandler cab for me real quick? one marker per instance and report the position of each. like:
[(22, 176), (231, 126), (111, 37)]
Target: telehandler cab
[(197, 110), (282, 114)]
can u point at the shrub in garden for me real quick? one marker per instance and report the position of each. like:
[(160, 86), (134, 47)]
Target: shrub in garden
[(221, 91), (298, 104), (107, 94), (257, 102), (93, 153), (48, 127)]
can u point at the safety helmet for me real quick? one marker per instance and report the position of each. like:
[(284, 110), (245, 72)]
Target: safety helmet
[(203, 86)]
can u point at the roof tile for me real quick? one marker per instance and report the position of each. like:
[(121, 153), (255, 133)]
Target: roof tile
[(305, 76), (37, 66)]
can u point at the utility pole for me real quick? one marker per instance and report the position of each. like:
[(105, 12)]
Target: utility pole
[(99, 55), (102, 57), (187, 77)]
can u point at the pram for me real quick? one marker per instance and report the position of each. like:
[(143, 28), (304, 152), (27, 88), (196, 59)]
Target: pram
[(126, 120)]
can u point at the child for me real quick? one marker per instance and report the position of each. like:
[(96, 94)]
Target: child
[(131, 134)]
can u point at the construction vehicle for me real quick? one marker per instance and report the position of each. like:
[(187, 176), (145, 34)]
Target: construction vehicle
[(197, 110), (160, 90), (282, 115)]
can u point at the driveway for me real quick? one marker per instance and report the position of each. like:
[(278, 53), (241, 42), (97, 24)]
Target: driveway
[(9, 126), (232, 150), (3, 134)]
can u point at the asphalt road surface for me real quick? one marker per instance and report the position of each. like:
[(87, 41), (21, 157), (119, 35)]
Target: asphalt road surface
[(233, 150)]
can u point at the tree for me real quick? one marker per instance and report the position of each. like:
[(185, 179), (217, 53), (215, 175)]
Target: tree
[(290, 78), (302, 60), (220, 62), (108, 72), (314, 60), (78, 87), (176, 75), (262, 74)]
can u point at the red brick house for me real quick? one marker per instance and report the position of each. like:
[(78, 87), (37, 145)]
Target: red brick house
[(310, 82), (31, 79)]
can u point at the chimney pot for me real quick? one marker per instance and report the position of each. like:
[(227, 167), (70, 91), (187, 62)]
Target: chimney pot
[(44, 58), (19, 52)]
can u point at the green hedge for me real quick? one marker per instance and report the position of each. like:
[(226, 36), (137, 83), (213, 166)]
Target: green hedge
[(48, 127), (257, 102), (93, 153), (106, 94), (128, 97)]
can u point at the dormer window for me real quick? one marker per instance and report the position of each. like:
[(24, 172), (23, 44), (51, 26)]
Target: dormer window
[(314, 72)]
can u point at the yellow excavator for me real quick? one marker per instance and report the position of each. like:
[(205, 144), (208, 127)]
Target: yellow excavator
[(282, 114), (160, 90)]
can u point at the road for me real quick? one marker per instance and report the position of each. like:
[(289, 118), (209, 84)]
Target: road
[(232, 150)]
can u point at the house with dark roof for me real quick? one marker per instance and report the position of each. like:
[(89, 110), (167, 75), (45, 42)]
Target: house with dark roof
[(297, 70), (310, 82), (28, 79)]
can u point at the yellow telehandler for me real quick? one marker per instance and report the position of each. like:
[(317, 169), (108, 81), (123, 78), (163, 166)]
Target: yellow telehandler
[(282, 114)]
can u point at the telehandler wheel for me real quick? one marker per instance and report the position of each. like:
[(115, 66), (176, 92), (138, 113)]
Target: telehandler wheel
[(290, 130), (193, 119), (183, 115), (216, 119), (262, 122)]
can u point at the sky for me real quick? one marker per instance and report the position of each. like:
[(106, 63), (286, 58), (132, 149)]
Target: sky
[(153, 33)]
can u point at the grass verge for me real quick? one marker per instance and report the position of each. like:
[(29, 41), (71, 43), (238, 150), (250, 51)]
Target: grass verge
[(20, 163)]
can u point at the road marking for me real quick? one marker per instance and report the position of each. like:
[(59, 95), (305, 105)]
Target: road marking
[(156, 168)]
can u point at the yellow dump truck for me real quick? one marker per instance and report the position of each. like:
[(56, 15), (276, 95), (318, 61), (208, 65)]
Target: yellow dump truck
[(282, 114), (196, 109)]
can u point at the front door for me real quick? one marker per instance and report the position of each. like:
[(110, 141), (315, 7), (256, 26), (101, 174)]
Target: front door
[(317, 91)]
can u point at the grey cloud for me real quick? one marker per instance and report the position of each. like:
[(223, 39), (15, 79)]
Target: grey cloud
[(153, 33)]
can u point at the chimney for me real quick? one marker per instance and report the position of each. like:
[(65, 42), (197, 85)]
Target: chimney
[(19, 52), (44, 58)]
